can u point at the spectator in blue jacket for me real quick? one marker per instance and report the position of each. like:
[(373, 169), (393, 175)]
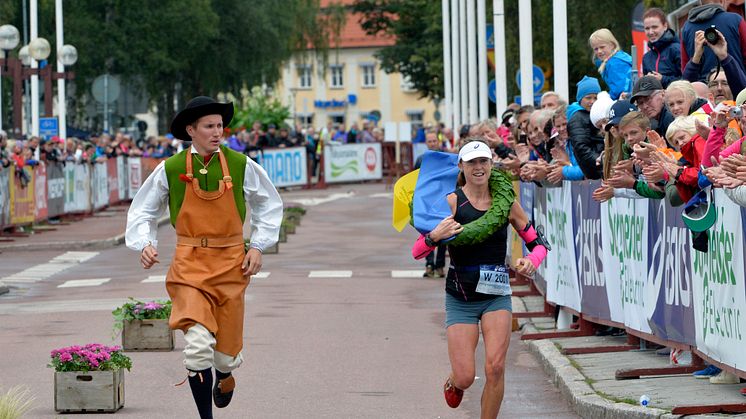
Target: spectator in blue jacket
[(663, 60), (732, 26), (613, 64)]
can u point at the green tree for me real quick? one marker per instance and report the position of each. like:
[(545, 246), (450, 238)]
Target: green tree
[(258, 106)]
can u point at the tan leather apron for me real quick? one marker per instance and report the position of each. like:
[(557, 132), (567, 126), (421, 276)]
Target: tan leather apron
[(205, 281)]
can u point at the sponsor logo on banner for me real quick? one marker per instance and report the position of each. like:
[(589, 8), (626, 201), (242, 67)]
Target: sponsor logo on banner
[(719, 287), (40, 192), (352, 162), (285, 166), (589, 250), (21, 198), (135, 175), (561, 273)]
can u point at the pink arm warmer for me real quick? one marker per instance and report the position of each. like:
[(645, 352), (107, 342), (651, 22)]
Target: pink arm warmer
[(539, 252), (420, 249)]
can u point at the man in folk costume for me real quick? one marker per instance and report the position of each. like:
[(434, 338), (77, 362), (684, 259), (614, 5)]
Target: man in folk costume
[(208, 189)]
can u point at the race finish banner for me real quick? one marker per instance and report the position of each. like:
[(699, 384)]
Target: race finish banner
[(285, 166), (352, 162), (651, 279)]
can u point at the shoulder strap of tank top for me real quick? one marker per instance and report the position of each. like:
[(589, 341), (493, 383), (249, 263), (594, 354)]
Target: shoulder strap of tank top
[(460, 197)]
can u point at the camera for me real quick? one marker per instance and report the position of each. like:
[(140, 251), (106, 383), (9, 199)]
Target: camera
[(523, 138), (735, 112), (711, 35)]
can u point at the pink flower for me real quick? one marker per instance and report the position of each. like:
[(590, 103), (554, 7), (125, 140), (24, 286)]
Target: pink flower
[(65, 357), (152, 306)]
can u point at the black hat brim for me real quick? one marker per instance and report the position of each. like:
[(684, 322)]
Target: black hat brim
[(189, 115)]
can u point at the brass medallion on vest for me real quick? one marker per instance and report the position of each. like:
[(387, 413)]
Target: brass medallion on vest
[(205, 281)]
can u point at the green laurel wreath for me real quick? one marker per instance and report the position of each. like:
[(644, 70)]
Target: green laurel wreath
[(503, 195)]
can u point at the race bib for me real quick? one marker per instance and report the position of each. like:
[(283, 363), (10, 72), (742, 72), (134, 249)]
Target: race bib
[(493, 280)]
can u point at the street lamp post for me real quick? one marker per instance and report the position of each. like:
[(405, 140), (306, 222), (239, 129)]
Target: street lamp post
[(39, 49), (9, 39)]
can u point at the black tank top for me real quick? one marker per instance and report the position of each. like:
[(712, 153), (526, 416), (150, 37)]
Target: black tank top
[(463, 275)]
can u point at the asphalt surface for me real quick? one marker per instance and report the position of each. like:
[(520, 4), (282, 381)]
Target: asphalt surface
[(364, 346)]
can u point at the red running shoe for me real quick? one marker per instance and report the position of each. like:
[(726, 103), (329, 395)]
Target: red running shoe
[(452, 394)]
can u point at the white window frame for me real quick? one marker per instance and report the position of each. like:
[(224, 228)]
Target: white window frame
[(336, 76), (305, 79), (368, 75), (417, 118)]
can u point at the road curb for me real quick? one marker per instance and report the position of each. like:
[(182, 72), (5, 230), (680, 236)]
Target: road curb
[(583, 398), (73, 244)]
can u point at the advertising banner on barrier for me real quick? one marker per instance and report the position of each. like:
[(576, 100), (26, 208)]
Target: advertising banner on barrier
[(285, 166), (122, 178), (719, 289), (112, 181), (77, 188), (540, 220), (147, 165), (561, 273), (626, 259), (589, 250), (40, 192), (21, 197), (134, 174), (4, 196), (352, 162), (99, 186), (669, 302), (55, 189)]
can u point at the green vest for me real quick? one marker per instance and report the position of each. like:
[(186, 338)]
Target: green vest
[(176, 165)]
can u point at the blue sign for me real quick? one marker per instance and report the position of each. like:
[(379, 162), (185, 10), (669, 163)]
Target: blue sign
[(330, 103), (285, 166), (538, 78), (49, 127), (537, 100), (490, 37), (492, 91)]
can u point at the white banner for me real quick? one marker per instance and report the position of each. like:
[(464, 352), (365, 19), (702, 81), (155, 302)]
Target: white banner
[(561, 273), (285, 166), (352, 162), (122, 178), (626, 259), (100, 186), (134, 174), (720, 300), (77, 188)]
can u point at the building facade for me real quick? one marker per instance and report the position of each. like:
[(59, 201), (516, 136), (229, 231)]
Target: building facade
[(353, 88)]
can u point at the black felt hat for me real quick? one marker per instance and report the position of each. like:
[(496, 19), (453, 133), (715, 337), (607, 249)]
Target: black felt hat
[(197, 108)]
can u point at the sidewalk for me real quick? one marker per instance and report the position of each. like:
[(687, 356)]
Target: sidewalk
[(588, 382)]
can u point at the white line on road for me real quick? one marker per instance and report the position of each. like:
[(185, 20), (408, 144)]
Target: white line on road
[(154, 279), (330, 274), (407, 274), (261, 275), (382, 195), (310, 202), (72, 306), (84, 283), (45, 270)]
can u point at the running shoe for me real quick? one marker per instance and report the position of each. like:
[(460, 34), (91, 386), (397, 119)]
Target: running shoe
[(452, 394), (725, 378), (709, 371)]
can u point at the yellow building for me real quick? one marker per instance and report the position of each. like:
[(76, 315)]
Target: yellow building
[(354, 86)]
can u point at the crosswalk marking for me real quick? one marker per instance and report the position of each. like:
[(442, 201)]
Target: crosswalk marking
[(330, 274), (382, 195), (407, 274), (84, 283), (261, 275), (154, 279), (45, 270)]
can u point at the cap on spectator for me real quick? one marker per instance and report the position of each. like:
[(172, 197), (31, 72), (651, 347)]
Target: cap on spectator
[(699, 213), (169, 136), (645, 86), (741, 98), (473, 150), (506, 116), (600, 108), (587, 86), (617, 112)]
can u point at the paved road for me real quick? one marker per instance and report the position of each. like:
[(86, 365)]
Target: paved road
[(367, 345)]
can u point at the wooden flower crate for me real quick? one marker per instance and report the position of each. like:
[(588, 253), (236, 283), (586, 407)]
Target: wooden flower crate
[(283, 235), (289, 227), (293, 217), (93, 391), (147, 335), (272, 250)]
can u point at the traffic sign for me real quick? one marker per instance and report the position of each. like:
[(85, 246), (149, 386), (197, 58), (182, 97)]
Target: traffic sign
[(538, 78), (492, 91), (106, 88), (49, 127), (490, 37)]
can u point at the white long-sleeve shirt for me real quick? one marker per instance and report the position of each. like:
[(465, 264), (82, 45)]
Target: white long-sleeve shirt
[(737, 195), (151, 201)]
